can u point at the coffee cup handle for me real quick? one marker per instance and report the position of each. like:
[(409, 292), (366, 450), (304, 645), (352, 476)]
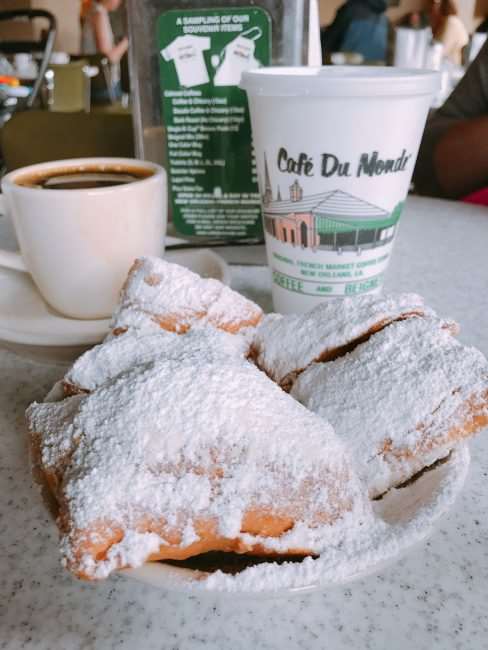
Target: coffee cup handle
[(10, 259)]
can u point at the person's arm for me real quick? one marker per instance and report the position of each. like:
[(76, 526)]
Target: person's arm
[(453, 37), (104, 39), (453, 156)]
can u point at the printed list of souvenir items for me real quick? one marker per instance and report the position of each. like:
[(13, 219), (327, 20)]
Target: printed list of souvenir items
[(213, 178), (196, 122)]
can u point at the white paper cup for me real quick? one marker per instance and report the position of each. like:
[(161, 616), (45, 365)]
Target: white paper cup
[(335, 151)]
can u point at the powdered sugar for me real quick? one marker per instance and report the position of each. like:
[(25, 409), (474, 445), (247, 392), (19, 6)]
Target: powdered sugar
[(136, 347), (403, 518), (395, 399), (179, 437), (132, 551), (285, 345), (160, 294), (204, 437)]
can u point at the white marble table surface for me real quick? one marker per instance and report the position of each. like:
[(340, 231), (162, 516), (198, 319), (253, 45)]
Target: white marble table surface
[(434, 598)]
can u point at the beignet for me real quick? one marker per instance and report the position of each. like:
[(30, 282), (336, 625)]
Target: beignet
[(175, 457), (160, 294), (283, 346), (401, 400)]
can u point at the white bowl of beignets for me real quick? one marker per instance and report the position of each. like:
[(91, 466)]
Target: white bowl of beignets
[(204, 445)]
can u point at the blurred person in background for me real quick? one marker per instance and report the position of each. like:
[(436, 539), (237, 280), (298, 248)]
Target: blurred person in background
[(359, 26), (453, 157), (448, 29), (414, 20), (97, 37)]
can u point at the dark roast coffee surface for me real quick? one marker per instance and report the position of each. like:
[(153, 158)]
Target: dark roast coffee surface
[(83, 178)]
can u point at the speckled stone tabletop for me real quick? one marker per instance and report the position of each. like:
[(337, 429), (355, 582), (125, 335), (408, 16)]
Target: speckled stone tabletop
[(435, 597)]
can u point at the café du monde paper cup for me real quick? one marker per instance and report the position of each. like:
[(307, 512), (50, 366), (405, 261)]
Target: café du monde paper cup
[(335, 151)]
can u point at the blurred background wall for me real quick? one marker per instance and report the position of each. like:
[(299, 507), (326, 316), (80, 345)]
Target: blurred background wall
[(66, 12)]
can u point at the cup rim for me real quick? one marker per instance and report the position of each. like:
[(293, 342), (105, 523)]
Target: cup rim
[(339, 81), (9, 179)]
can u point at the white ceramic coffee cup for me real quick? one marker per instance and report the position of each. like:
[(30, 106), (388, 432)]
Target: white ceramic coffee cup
[(78, 244)]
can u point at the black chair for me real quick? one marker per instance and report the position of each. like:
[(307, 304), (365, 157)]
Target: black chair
[(43, 46)]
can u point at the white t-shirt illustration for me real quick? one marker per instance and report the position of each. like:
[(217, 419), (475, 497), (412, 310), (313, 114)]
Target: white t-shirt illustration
[(238, 56), (187, 54)]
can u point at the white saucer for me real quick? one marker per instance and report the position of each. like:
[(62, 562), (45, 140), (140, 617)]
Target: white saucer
[(27, 320)]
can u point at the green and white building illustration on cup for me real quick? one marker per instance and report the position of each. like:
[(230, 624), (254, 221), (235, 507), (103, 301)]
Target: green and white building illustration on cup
[(334, 220)]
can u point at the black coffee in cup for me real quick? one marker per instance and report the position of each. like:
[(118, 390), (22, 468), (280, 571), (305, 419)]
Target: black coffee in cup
[(85, 177)]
